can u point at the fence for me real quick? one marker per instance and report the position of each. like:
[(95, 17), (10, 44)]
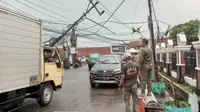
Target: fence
[(187, 63), (164, 56), (174, 67), (190, 63)]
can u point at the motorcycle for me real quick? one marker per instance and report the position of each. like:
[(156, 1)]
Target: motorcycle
[(67, 64), (77, 64)]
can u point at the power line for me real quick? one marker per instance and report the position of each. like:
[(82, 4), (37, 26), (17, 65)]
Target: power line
[(54, 26), (60, 8), (90, 27), (101, 25), (52, 22), (96, 39), (51, 30), (17, 9), (99, 35), (72, 26), (37, 10), (142, 22), (112, 14), (139, 22), (48, 10), (135, 10)]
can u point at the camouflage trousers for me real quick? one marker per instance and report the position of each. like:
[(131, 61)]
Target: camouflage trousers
[(146, 80), (128, 92)]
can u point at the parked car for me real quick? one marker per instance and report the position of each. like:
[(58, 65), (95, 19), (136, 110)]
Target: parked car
[(92, 60), (107, 70)]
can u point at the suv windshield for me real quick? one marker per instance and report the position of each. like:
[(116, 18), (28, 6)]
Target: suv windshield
[(109, 59)]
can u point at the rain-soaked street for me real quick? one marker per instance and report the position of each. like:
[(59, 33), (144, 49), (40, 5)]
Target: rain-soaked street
[(77, 96)]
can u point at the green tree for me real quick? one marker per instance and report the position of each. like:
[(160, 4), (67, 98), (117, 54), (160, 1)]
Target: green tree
[(190, 29)]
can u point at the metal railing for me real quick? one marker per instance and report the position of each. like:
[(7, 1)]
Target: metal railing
[(174, 67), (164, 56), (190, 64)]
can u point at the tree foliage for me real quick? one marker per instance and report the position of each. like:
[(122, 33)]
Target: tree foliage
[(190, 29)]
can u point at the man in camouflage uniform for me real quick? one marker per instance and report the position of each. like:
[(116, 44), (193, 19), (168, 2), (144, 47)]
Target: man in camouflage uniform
[(145, 65), (129, 79)]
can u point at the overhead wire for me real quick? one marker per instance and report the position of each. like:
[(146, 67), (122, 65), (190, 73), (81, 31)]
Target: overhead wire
[(91, 26), (37, 10), (52, 22), (122, 22), (100, 35), (48, 10), (60, 8), (112, 14), (17, 9), (44, 9), (115, 17), (141, 22), (135, 10), (101, 25), (96, 39), (92, 38)]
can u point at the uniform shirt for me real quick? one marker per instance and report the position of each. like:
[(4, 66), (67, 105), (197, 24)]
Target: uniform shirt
[(145, 58), (130, 67)]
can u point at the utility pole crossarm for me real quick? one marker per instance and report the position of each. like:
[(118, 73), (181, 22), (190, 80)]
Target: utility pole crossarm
[(100, 13), (73, 25)]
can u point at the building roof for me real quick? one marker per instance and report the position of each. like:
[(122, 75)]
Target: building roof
[(135, 43), (86, 51)]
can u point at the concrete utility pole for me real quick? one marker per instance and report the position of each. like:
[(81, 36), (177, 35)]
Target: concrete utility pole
[(152, 40), (73, 41), (72, 26)]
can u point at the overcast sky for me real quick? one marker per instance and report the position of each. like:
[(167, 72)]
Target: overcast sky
[(172, 12)]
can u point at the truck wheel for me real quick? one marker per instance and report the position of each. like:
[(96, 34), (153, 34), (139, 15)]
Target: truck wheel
[(1, 109), (46, 95)]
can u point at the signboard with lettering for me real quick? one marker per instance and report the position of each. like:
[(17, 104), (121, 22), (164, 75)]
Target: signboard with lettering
[(118, 49)]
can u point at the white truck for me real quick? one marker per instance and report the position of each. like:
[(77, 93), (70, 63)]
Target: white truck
[(24, 69)]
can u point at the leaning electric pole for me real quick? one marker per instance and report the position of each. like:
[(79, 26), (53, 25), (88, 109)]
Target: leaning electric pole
[(152, 40)]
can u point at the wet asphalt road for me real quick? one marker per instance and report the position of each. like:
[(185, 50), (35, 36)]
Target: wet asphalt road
[(77, 96)]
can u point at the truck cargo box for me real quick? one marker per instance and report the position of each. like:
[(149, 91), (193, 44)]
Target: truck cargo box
[(20, 42)]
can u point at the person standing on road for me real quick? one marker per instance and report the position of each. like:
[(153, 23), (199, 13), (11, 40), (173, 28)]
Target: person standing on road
[(129, 80), (146, 66)]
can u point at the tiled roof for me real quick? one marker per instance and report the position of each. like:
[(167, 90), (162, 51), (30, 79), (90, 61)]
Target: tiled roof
[(135, 43), (87, 51)]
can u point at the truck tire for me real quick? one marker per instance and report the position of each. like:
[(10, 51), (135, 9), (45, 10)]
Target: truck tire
[(46, 95), (1, 109)]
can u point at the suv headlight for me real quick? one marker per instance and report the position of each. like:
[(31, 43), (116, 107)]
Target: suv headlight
[(117, 70), (93, 70)]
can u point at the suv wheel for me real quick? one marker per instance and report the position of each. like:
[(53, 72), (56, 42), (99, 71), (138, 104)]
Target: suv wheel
[(92, 85), (89, 67)]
